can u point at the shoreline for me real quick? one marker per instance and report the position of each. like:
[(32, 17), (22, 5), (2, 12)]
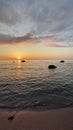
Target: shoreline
[(56, 119)]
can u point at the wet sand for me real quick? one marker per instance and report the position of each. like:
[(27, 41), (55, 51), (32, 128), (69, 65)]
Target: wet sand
[(59, 119)]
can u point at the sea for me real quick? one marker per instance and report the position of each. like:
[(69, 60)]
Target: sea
[(32, 86)]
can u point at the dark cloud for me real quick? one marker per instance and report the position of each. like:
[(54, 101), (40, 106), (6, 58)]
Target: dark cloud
[(6, 39), (30, 38)]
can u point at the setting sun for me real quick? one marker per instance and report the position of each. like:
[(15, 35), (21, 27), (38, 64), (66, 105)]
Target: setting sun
[(18, 57)]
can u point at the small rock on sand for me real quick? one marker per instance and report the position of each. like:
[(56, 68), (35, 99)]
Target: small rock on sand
[(11, 118)]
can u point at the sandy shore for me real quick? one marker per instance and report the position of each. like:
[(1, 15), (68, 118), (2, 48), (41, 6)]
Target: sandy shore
[(59, 119)]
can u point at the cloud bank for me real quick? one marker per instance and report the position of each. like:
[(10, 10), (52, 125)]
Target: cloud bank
[(51, 22)]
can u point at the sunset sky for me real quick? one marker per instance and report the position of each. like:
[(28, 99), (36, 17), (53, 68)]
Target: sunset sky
[(36, 29)]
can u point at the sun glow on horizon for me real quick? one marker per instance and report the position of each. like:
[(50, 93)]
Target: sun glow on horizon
[(18, 57)]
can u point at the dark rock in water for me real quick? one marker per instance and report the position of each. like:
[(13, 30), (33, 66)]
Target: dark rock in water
[(11, 118), (22, 60), (62, 61), (52, 67)]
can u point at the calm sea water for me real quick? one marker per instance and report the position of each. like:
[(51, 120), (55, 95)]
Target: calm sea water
[(32, 86)]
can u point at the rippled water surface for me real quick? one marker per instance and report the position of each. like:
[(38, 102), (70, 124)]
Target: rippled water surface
[(32, 86)]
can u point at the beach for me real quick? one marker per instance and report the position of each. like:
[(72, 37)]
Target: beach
[(58, 119)]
